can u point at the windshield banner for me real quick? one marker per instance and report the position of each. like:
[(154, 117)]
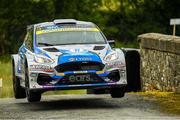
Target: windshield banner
[(66, 30)]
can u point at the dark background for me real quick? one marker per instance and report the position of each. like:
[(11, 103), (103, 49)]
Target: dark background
[(121, 20)]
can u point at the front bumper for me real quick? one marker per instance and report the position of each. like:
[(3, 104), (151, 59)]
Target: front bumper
[(113, 75), (75, 87)]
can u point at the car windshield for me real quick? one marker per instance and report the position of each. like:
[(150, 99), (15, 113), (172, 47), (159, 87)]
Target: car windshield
[(65, 36)]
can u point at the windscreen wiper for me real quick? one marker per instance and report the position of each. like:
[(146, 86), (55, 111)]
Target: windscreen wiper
[(71, 43), (46, 44)]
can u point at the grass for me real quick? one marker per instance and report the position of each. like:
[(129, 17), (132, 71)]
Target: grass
[(5, 75), (65, 92), (169, 102)]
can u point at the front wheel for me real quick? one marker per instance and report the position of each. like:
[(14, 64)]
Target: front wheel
[(117, 92), (31, 96)]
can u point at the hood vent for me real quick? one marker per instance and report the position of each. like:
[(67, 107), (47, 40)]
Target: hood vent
[(99, 47), (51, 49)]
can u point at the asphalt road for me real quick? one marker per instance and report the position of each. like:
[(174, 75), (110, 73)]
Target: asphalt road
[(83, 107)]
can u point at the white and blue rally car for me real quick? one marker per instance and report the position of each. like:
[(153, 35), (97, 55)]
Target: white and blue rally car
[(67, 54)]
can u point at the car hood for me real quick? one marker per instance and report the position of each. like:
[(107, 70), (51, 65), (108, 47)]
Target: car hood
[(69, 53)]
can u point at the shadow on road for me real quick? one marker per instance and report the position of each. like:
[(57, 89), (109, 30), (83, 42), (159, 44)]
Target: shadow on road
[(65, 104)]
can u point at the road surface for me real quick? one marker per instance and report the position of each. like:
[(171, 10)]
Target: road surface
[(77, 107)]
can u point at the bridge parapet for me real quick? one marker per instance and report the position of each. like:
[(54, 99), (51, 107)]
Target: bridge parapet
[(160, 62)]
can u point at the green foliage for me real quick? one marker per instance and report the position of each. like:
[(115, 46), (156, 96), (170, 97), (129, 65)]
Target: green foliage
[(121, 20), (5, 58), (119, 44)]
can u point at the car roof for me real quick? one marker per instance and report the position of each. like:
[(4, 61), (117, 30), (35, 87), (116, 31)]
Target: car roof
[(62, 21)]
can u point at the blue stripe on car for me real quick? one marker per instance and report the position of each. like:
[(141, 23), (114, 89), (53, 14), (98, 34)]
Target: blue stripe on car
[(80, 85), (39, 51), (85, 56)]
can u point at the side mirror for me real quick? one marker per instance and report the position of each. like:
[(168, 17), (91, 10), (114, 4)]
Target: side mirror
[(111, 43)]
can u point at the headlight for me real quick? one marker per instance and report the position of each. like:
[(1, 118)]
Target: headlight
[(41, 59), (112, 56)]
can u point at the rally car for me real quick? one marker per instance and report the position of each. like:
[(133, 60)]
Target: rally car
[(67, 54)]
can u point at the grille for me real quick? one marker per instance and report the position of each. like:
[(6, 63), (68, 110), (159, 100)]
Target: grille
[(79, 66)]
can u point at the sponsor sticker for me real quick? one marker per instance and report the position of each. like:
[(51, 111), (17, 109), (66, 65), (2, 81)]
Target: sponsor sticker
[(66, 30), (41, 68), (80, 59), (114, 65)]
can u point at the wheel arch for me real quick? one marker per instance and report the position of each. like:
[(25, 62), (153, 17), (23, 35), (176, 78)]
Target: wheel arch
[(121, 54), (14, 62), (25, 60)]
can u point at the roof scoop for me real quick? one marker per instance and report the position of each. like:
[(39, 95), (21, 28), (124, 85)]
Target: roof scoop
[(64, 21)]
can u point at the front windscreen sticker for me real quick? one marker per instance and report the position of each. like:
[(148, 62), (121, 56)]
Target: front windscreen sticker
[(66, 30)]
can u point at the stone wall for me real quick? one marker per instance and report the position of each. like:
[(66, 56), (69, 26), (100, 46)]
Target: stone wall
[(160, 62)]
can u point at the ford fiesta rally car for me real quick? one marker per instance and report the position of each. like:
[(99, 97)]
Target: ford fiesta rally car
[(67, 54)]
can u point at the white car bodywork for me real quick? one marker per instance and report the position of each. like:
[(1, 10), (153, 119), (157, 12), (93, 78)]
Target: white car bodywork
[(68, 66)]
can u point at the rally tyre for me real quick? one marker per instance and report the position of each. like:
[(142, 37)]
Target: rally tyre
[(31, 96), (117, 92), (133, 71), (19, 92)]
